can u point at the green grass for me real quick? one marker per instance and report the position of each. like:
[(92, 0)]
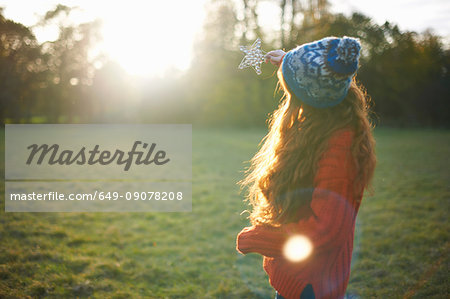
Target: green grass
[(401, 247)]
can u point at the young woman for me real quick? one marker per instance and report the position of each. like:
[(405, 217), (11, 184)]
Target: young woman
[(306, 182)]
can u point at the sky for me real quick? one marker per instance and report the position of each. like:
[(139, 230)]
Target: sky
[(141, 28), (415, 15)]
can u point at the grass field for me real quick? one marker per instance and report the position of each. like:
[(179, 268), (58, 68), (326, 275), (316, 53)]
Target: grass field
[(401, 248)]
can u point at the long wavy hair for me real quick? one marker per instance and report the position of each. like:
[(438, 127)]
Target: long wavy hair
[(287, 160)]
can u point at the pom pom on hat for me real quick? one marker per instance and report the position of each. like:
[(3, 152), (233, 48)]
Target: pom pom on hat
[(343, 55), (320, 73)]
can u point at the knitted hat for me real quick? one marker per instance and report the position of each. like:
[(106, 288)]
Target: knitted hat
[(320, 73)]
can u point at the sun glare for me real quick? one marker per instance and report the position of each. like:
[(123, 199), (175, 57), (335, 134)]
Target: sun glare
[(150, 38), (297, 248)]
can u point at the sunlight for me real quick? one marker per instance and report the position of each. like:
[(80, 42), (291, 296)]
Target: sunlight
[(150, 38), (297, 248)]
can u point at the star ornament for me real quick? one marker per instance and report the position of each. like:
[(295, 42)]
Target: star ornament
[(254, 56)]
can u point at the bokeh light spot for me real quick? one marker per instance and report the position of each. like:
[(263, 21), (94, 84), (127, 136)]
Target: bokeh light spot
[(297, 248), (74, 81)]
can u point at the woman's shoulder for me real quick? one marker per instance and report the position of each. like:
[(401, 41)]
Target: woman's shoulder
[(343, 136)]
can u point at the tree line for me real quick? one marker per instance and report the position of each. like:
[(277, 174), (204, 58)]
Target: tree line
[(405, 73)]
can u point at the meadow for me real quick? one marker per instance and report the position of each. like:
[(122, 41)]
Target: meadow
[(401, 247)]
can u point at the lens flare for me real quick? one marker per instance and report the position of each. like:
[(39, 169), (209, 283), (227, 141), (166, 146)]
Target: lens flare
[(297, 248)]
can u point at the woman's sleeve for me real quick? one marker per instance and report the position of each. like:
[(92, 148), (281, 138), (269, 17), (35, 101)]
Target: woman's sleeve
[(333, 211)]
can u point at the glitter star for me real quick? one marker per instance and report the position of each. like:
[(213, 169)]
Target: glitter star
[(254, 56)]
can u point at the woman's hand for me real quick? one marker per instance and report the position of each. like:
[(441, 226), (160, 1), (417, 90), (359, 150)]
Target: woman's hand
[(275, 57)]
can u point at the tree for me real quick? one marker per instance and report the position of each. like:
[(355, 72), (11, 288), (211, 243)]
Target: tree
[(20, 65), (70, 67)]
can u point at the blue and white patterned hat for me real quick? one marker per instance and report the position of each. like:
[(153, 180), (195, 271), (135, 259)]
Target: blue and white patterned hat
[(320, 73)]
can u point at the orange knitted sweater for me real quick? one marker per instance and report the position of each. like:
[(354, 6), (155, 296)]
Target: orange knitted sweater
[(330, 229)]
